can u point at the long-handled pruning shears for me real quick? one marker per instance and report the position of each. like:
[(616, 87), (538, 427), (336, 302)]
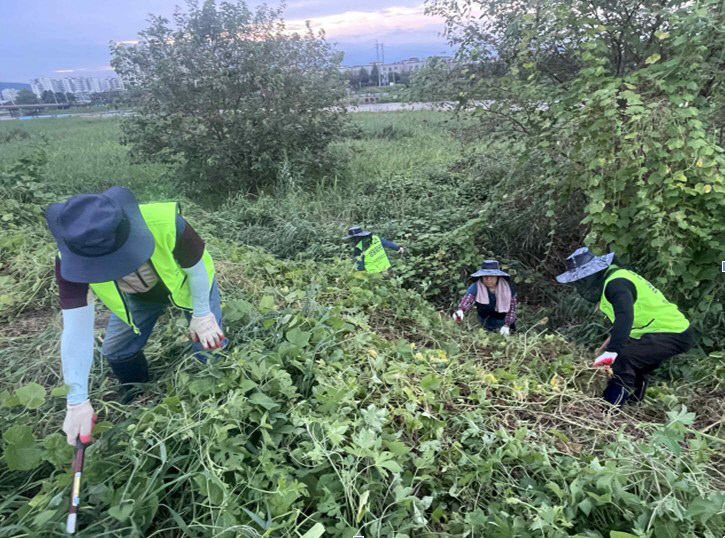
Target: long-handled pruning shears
[(75, 492)]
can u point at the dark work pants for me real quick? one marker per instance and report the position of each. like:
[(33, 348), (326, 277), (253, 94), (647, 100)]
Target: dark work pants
[(638, 358)]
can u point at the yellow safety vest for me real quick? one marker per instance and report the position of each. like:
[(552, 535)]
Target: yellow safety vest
[(653, 313), (161, 220), (375, 258)]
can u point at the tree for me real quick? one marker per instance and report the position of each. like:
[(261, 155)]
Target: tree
[(438, 80), (60, 97), (26, 97), (375, 75), (364, 77), (232, 96), (48, 97), (70, 97)]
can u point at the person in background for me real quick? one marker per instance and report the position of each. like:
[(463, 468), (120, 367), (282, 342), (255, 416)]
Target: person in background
[(369, 250), (137, 259), (646, 327), (494, 296)]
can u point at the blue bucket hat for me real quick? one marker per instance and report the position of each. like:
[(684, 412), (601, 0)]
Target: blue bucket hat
[(355, 231), (489, 268), (582, 263), (101, 237)]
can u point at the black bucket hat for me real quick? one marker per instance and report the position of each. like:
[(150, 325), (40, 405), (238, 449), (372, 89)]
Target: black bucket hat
[(489, 268), (101, 237), (355, 231), (582, 263)]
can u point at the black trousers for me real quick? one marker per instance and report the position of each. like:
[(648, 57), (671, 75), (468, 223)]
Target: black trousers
[(638, 358)]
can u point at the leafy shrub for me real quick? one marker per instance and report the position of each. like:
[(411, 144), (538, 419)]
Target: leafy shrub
[(231, 97), (23, 193), (621, 132)]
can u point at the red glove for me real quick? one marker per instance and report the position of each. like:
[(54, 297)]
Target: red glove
[(605, 359)]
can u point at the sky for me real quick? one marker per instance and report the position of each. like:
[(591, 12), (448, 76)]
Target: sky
[(59, 38)]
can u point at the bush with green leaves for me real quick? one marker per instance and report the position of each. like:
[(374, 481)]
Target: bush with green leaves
[(231, 97), (616, 108), (23, 193)]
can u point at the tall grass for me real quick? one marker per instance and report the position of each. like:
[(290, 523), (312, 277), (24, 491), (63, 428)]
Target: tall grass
[(85, 155)]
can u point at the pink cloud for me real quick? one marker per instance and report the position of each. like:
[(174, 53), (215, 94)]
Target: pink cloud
[(362, 25)]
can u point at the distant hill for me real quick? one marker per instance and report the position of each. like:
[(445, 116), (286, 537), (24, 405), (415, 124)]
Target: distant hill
[(14, 85)]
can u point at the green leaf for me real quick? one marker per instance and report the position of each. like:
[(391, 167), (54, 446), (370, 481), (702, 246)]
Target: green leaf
[(703, 509), (316, 531), (21, 451), (430, 382), (260, 398), (266, 304), (365, 439), (264, 525), (391, 465), (60, 392), (32, 395), (298, 337), (652, 59), (57, 450), (374, 417), (121, 512), (43, 517), (361, 506), (682, 416), (8, 400), (621, 534)]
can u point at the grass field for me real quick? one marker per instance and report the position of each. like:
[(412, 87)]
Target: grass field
[(348, 404), (83, 155)]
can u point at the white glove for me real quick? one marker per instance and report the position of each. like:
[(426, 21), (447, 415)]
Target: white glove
[(401, 250), (505, 331), (79, 421), (206, 330), (605, 359), (457, 315)]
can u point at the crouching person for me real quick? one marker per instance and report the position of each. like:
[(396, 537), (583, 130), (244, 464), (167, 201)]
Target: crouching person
[(137, 260), (494, 296), (646, 328)]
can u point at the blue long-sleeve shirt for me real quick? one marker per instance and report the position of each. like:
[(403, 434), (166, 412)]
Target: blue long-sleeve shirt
[(361, 259)]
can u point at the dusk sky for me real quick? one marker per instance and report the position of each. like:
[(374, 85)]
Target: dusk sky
[(60, 38)]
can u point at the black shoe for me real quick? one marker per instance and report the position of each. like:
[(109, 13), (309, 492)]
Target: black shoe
[(615, 393), (130, 372)]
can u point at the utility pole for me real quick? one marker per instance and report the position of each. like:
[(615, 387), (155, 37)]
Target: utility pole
[(377, 58), (382, 53)]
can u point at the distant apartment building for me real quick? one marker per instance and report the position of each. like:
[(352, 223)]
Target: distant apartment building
[(9, 94), (387, 71), (81, 87)]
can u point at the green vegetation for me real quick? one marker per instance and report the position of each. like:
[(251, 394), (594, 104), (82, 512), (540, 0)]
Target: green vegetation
[(613, 113), (347, 404), (230, 98), (84, 155)]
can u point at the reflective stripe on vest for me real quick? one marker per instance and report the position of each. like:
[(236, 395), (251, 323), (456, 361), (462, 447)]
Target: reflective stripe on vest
[(161, 220), (653, 313), (375, 258)]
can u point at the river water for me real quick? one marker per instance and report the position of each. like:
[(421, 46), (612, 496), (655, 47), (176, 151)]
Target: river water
[(365, 107)]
